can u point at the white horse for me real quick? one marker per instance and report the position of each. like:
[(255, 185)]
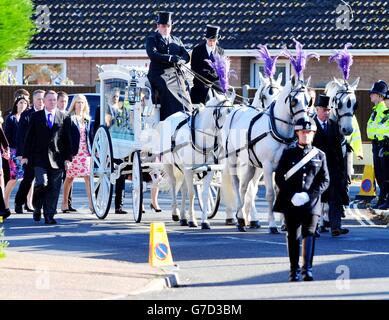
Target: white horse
[(344, 103), (192, 142), (254, 140), (268, 91)]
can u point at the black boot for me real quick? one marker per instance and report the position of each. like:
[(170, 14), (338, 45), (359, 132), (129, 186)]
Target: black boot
[(308, 250), (294, 255)]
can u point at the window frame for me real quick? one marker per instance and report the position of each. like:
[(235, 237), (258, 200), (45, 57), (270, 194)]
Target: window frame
[(254, 64), (20, 62)]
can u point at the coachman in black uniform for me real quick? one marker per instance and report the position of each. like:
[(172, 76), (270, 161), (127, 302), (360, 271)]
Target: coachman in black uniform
[(328, 140), (302, 176), (164, 51), (201, 52)]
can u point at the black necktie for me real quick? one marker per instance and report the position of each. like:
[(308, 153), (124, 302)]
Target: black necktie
[(325, 127), (211, 57)]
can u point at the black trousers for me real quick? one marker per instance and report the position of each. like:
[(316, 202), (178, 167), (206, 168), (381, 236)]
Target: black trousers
[(299, 225), (379, 170), (47, 188), (25, 185)]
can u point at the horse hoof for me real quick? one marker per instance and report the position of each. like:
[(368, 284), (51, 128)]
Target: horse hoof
[(242, 228), (230, 222), (205, 226), (274, 230), (175, 217), (241, 225), (191, 224), (255, 225), (183, 222)]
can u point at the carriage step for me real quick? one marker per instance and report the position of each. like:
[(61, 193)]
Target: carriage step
[(207, 167)]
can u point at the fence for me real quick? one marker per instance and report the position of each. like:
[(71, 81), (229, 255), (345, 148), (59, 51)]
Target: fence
[(7, 93)]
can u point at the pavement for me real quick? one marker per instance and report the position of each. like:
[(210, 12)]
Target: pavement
[(35, 276)]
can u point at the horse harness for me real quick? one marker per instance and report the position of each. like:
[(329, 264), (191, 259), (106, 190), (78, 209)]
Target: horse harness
[(337, 102)]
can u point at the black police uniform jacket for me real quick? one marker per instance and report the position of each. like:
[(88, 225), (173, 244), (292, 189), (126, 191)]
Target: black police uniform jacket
[(199, 91), (160, 52), (312, 178), (330, 144)]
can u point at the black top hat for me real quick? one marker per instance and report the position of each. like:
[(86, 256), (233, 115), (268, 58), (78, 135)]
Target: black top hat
[(380, 87), (322, 101), (212, 32), (164, 17), (305, 123)]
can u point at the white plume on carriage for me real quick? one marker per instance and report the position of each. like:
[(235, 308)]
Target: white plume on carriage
[(252, 139), (342, 94)]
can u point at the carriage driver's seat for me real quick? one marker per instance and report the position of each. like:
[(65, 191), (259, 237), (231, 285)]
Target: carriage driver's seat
[(155, 101)]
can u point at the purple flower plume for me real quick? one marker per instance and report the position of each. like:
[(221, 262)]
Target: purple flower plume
[(221, 65), (299, 62), (344, 59), (270, 63)]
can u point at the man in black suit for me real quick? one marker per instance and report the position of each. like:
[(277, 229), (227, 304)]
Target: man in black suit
[(328, 140), (165, 51), (48, 149), (28, 176), (205, 51)]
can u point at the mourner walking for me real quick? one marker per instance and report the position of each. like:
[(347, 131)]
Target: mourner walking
[(202, 52), (328, 140), (301, 176), (165, 51), (378, 133)]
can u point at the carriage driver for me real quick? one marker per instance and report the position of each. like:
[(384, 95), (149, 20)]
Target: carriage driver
[(165, 51), (302, 176)]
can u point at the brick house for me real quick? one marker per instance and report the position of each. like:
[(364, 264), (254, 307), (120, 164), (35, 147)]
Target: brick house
[(76, 35)]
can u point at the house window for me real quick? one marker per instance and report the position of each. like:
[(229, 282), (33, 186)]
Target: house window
[(39, 72), (256, 66)]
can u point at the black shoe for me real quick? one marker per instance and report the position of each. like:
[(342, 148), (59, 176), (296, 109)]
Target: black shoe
[(71, 209), (27, 209), (50, 221), (65, 210), (37, 215), (338, 232), (284, 228), (120, 211), (384, 206), (18, 209), (5, 213), (154, 208), (294, 275)]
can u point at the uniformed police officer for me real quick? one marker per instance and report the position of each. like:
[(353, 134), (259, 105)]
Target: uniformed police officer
[(376, 133), (302, 176), (205, 51), (165, 51), (328, 140)]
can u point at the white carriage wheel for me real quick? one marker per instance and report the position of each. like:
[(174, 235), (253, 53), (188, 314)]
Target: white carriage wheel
[(101, 169), (137, 186), (213, 199)]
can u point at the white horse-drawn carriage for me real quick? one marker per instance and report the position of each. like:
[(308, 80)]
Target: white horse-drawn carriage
[(127, 142), (243, 142)]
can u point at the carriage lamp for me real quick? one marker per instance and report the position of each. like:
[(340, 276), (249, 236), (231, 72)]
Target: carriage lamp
[(133, 93)]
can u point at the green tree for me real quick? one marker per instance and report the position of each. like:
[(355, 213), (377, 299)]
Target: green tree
[(16, 29)]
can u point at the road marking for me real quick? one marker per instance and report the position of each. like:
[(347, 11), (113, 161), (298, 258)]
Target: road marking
[(357, 217), (254, 240), (367, 252), (365, 217)]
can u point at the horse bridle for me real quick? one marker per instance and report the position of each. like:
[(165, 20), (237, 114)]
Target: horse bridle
[(338, 104), (292, 98), (262, 96)]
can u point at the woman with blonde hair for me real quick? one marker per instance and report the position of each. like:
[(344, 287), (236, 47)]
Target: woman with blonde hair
[(81, 146)]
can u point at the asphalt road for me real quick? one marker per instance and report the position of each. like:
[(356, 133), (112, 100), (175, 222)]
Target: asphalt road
[(220, 263)]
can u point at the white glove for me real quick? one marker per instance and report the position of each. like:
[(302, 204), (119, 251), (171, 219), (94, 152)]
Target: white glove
[(181, 62), (300, 199)]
